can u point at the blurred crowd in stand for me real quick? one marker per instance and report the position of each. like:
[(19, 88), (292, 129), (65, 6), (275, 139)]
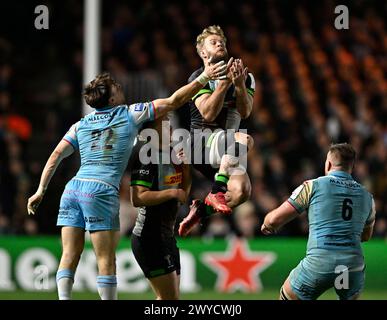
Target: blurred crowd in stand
[(314, 85)]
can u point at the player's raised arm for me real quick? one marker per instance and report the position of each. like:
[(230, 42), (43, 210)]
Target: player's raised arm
[(62, 150), (210, 105), (182, 95), (244, 100)]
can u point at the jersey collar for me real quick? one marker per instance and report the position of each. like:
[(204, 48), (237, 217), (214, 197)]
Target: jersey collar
[(104, 110), (340, 174)]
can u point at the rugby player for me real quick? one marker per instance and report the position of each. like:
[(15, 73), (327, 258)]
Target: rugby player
[(157, 190), (216, 112), (341, 214)]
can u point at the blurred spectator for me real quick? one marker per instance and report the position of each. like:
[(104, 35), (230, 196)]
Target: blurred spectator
[(217, 227), (314, 85), (246, 220)]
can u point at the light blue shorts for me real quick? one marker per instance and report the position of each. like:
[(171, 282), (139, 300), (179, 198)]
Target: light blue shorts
[(90, 205), (308, 284)]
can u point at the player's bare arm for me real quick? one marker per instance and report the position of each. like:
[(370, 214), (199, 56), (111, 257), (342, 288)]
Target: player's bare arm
[(143, 196), (182, 95), (210, 105), (367, 232), (369, 226), (62, 151), (277, 218), (244, 102)]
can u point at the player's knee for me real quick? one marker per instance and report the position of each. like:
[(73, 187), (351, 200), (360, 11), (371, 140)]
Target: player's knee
[(70, 257), (244, 139), (250, 142), (106, 264), (229, 161), (241, 193)]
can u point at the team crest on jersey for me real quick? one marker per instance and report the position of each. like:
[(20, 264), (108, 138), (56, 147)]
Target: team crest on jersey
[(173, 179), (139, 107)]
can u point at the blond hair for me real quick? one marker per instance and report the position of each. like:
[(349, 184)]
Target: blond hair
[(211, 30)]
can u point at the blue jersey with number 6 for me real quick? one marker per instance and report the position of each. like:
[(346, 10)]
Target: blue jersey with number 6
[(338, 210), (105, 140)]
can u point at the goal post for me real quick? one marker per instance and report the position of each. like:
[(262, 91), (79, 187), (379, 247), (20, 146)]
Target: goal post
[(92, 49)]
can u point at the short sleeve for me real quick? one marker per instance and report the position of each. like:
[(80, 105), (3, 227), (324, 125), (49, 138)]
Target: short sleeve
[(142, 174), (301, 196), (142, 112), (250, 84), (371, 216), (71, 136)]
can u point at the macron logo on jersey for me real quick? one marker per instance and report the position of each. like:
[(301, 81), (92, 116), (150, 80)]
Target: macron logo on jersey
[(139, 107)]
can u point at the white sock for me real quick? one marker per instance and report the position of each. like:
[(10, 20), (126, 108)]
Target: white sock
[(65, 281), (107, 287)]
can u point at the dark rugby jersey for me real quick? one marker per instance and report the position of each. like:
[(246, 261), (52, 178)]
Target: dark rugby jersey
[(156, 221), (229, 117)]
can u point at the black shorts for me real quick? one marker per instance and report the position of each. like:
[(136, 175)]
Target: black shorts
[(206, 170), (156, 257), (208, 148)]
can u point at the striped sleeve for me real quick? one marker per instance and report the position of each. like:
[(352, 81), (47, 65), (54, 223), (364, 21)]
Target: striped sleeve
[(205, 90), (71, 136), (301, 196), (142, 112)]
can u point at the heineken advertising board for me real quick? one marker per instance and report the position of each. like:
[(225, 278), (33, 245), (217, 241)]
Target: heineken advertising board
[(30, 264)]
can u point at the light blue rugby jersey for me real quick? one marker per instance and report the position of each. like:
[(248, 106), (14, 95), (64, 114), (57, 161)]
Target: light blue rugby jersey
[(338, 210), (105, 140)]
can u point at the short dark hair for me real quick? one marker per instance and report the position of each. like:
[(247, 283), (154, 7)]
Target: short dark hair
[(98, 91), (345, 154)]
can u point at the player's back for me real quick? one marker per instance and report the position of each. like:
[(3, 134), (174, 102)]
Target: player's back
[(338, 210), (105, 141)]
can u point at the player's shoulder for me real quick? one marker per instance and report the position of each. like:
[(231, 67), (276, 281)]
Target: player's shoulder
[(122, 110), (324, 180), (195, 74), (134, 159), (310, 184), (364, 189), (76, 125)]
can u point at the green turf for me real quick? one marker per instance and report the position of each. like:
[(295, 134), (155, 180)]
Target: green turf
[(203, 295)]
